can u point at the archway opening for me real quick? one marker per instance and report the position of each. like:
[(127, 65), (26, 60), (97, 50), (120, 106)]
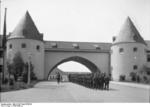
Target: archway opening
[(79, 65), (73, 66)]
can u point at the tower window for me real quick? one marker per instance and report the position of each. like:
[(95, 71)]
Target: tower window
[(121, 50), (10, 46), (38, 47), (1, 54), (135, 49), (148, 58), (23, 45), (135, 67)]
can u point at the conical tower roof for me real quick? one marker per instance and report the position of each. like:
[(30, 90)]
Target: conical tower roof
[(26, 29), (129, 33)]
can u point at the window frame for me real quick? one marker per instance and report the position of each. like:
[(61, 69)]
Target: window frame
[(148, 58), (23, 45), (135, 67), (38, 47), (10, 46), (121, 50), (135, 49)]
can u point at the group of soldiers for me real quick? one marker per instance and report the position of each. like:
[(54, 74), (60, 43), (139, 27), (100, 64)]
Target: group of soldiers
[(94, 80)]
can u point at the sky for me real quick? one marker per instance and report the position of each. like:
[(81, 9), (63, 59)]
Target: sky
[(79, 20)]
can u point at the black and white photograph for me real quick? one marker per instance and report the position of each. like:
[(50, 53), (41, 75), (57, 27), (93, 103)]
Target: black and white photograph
[(74, 51)]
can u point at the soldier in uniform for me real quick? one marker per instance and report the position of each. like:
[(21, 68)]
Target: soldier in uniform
[(106, 80), (58, 77)]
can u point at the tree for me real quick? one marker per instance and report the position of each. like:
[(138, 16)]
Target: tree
[(9, 69), (18, 65), (25, 73)]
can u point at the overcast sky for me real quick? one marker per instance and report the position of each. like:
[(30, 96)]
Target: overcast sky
[(80, 20)]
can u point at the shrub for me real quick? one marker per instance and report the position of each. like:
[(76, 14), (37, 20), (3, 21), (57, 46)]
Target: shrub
[(25, 76), (122, 77), (148, 72), (138, 78), (133, 76), (11, 82), (5, 81), (145, 78)]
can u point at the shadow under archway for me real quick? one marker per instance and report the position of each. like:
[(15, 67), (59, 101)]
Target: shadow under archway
[(90, 65)]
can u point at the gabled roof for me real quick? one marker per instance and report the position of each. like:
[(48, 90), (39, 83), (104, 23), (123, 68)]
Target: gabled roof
[(129, 33), (26, 29)]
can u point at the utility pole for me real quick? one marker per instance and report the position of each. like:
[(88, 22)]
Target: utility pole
[(4, 39), (29, 68), (0, 17)]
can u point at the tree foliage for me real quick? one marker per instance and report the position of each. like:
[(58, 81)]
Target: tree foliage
[(18, 65)]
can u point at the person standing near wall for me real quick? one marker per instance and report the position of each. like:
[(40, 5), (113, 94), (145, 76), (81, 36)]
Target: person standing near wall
[(58, 77)]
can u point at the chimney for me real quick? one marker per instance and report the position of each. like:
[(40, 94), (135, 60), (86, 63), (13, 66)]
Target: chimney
[(114, 38)]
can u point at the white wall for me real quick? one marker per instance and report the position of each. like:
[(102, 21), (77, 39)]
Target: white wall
[(37, 57), (101, 60), (122, 63)]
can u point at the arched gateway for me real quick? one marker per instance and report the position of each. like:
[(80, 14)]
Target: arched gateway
[(129, 52), (47, 55), (95, 59)]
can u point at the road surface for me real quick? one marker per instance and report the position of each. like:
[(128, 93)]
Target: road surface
[(70, 92)]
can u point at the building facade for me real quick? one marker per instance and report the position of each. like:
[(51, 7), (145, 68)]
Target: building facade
[(128, 52)]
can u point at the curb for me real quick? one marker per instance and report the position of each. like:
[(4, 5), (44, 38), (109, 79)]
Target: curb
[(131, 84)]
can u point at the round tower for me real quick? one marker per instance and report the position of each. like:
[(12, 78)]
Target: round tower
[(26, 40), (127, 52)]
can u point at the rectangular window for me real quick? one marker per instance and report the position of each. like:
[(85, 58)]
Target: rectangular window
[(135, 67), (23, 45), (135, 49), (38, 48), (121, 50), (148, 58), (1, 54), (10, 46)]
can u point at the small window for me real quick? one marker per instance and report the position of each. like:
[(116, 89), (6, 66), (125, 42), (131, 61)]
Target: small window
[(54, 45), (23, 45), (75, 46), (38, 47), (97, 46), (148, 58), (135, 49), (10, 46), (1, 54), (135, 67), (121, 50)]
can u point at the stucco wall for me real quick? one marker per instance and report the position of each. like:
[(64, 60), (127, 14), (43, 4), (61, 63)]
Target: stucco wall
[(37, 57), (101, 60), (122, 63)]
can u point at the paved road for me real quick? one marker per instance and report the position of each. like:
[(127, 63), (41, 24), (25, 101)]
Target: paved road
[(69, 92)]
